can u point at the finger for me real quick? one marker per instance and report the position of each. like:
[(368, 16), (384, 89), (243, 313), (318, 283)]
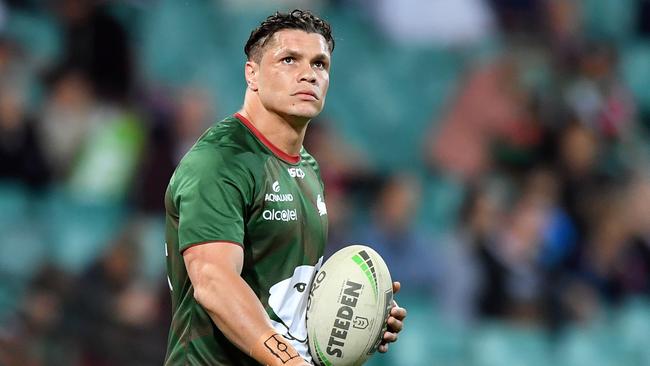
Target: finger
[(389, 337), (398, 313), (396, 287), (383, 348), (395, 325)]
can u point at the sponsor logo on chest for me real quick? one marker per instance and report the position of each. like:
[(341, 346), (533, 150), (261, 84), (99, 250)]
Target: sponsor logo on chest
[(276, 196), (285, 215), (296, 173)]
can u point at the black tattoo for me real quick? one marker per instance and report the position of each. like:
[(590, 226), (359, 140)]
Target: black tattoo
[(280, 349)]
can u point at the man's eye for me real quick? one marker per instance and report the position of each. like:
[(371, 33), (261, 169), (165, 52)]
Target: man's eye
[(319, 64), (300, 286), (288, 60)]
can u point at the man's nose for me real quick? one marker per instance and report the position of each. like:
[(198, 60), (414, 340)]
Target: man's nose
[(308, 74)]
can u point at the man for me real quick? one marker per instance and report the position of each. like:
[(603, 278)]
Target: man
[(246, 218)]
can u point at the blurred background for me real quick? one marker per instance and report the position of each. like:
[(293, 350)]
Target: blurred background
[(495, 152)]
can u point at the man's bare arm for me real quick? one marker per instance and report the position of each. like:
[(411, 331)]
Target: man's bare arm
[(214, 269)]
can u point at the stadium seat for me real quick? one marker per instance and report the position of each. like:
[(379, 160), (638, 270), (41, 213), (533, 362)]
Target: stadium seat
[(593, 344), (14, 203), (37, 33), (77, 232), (426, 341), (496, 344), (632, 327), (613, 19), (635, 69)]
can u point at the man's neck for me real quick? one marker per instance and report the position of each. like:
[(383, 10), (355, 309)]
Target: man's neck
[(286, 134)]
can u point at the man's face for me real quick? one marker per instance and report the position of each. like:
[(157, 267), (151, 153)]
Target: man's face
[(292, 76)]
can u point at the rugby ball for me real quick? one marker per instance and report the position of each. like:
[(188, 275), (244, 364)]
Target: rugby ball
[(349, 301)]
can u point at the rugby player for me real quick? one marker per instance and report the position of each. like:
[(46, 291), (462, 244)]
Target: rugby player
[(246, 221)]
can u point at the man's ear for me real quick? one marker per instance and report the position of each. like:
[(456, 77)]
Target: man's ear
[(251, 71)]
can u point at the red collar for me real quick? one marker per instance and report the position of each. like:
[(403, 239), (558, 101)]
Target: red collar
[(291, 159)]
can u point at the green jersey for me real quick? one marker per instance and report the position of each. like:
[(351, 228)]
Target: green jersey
[(234, 186)]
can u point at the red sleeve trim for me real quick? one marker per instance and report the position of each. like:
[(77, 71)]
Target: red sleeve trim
[(213, 241), (291, 159)]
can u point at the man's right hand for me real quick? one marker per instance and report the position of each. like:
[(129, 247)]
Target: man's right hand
[(215, 269)]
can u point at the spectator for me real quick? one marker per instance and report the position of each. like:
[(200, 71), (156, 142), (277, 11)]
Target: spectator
[(98, 46), (635, 276), (459, 288), (603, 259), (517, 16), (21, 154), (407, 250), (345, 173), (37, 336), (513, 287), (580, 178), (616, 263), (65, 121), (597, 96), (493, 105), (117, 320), (174, 128)]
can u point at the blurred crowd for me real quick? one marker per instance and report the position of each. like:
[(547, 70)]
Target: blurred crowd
[(548, 147), (540, 156)]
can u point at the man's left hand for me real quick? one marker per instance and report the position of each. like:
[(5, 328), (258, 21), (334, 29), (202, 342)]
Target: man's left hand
[(395, 322)]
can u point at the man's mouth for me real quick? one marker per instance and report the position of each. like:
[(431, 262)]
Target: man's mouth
[(306, 95)]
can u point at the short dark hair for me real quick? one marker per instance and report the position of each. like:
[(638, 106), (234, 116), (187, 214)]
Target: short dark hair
[(296, 19)]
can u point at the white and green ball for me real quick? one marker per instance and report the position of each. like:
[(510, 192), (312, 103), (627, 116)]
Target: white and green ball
[(349, 302)]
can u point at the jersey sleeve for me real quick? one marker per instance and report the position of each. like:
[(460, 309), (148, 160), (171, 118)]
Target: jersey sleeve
[(211, 198)]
